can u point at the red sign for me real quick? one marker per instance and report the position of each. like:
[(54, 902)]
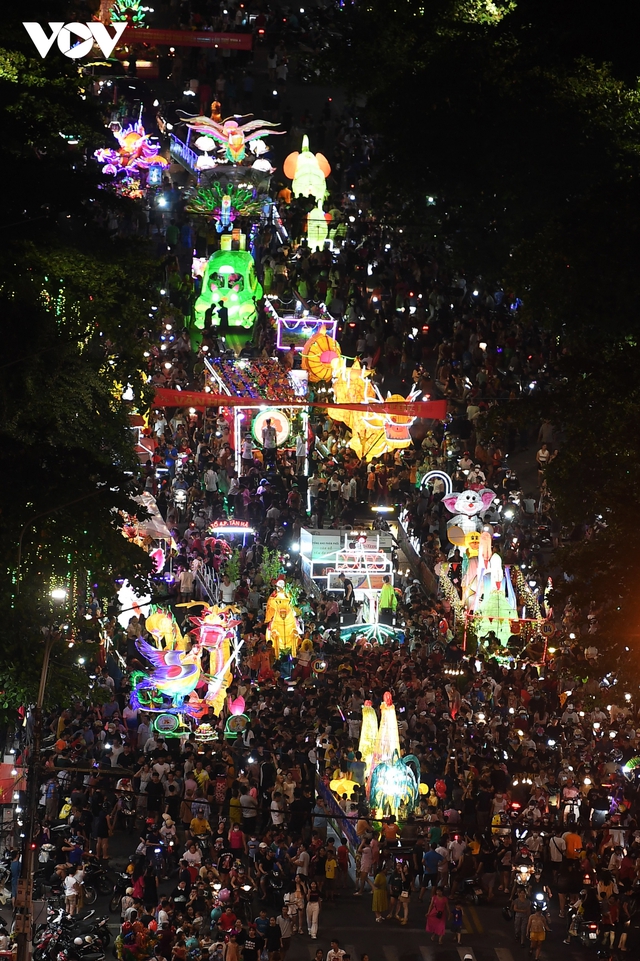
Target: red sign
[(432, 409), (187, 38), (9, 783)]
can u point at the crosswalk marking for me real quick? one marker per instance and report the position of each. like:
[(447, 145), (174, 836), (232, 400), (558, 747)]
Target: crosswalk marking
[(476, 920), (503, 954), (467, 927), (428, 952), (465, 952)]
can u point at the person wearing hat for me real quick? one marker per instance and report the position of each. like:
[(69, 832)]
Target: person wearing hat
[(168, 831), (126, 902)]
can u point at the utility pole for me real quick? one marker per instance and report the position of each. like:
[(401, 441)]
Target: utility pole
[(24, 898)]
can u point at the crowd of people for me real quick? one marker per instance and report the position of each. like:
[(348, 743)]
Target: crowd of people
[(241, 846)]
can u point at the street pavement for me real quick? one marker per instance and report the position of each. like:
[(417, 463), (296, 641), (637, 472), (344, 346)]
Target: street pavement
[(486, 935)]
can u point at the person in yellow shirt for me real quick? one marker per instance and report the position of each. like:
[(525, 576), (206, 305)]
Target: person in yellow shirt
[(199, 824), (330, 868)]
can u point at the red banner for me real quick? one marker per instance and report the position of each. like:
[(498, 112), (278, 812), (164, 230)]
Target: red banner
[(431, 409), (186, 38)]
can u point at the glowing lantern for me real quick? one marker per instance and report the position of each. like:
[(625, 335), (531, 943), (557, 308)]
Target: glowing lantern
[(308, 172), (319, 356), (368, 735)]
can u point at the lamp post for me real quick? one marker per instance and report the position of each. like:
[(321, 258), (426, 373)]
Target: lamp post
[(24, 898)]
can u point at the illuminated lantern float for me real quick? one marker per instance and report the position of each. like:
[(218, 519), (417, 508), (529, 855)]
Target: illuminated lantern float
[(394, 781), (135, 152), (487, 597), (309, 172), (230, 277), (282, 627), (177, 670), (368, 735)]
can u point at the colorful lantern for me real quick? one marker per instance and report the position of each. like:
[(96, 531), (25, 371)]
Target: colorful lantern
[(320, 355), (308, 172)]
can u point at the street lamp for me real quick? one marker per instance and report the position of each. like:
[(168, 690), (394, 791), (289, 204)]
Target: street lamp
[(58, 594)]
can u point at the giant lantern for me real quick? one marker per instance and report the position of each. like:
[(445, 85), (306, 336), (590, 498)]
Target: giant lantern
[(308, 172), (320, 355)]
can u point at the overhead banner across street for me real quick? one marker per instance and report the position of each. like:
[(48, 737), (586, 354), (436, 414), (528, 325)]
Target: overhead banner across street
[(431, 409)]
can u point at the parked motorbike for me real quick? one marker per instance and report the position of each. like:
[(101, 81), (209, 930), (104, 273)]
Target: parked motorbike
[(122, 882), (470, 890)]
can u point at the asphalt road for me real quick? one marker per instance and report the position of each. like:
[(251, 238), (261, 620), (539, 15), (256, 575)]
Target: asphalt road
[(486, 936)]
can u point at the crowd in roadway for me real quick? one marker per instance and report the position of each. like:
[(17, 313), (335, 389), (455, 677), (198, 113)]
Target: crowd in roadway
[(527, 802), (239, 847)]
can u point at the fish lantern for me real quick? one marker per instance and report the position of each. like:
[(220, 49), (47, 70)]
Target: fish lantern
[(308, 172)]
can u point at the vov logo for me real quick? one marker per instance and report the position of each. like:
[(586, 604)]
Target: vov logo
[(75, 40)]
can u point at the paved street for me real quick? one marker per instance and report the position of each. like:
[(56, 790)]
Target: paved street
[(487, 936)]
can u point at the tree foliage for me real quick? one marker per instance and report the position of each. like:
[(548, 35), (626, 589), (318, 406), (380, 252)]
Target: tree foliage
[(521, 122), (76, 303)]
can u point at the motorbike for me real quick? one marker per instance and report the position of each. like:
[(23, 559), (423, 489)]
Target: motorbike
[(55, 944), (127, 809), (588, 933), (539, 902), (97, 927), (122, 882), (96, 876), (275, 888), (5, 878), (470, 890), (203, 841)]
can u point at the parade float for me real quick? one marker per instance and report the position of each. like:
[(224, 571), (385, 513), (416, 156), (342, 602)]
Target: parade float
[(176, 684), (368, 735), (308, 172), (393, 783), (136, 160), (229, 278), (375, 430), (490, 600), (271, 393), (282, 628)]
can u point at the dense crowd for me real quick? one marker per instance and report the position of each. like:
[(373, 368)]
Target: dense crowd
[(526, 790), (243, 843)]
